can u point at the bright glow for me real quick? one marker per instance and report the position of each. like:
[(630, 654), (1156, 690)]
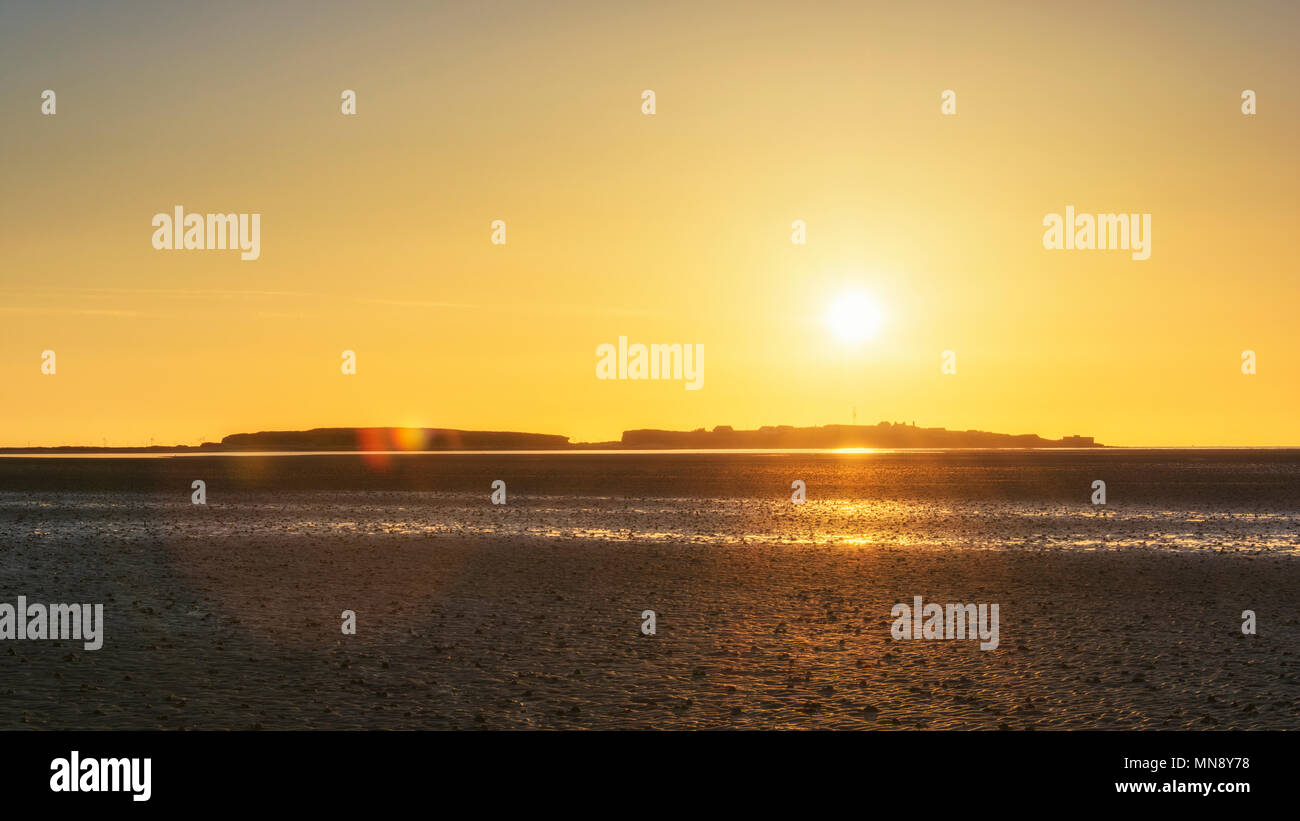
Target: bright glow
[(854, 317)]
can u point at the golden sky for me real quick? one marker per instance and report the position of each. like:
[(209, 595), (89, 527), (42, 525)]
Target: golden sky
[(676, 227)]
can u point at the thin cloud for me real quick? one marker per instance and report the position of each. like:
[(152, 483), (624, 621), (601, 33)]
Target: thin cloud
[(47, 309)]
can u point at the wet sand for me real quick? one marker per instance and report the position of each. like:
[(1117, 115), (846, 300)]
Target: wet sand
[(462, 634), (228, 616)]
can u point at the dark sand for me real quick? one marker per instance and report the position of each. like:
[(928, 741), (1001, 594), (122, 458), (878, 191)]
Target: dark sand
[(228, 616)]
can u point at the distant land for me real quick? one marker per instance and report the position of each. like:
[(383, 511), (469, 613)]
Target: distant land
[(723, 437)]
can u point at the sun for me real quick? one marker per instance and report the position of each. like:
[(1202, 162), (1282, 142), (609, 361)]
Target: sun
[(854, 317)]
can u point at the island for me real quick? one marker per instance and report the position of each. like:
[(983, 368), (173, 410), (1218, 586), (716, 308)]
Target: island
[(722, 437)]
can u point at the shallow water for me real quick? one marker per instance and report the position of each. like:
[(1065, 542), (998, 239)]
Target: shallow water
[(982, 525), (1166, 500)]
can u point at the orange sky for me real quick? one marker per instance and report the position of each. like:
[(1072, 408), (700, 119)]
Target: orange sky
[(666, 228)]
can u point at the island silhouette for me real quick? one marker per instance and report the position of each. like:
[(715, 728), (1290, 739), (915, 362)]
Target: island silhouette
[(722, 437)]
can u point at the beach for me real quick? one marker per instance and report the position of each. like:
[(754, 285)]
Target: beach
[(768, 614)]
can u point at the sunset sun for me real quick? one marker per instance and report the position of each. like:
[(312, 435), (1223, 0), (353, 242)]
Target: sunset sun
[(854, 317)]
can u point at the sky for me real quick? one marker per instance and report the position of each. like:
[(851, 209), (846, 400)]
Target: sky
[(673, 227)]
